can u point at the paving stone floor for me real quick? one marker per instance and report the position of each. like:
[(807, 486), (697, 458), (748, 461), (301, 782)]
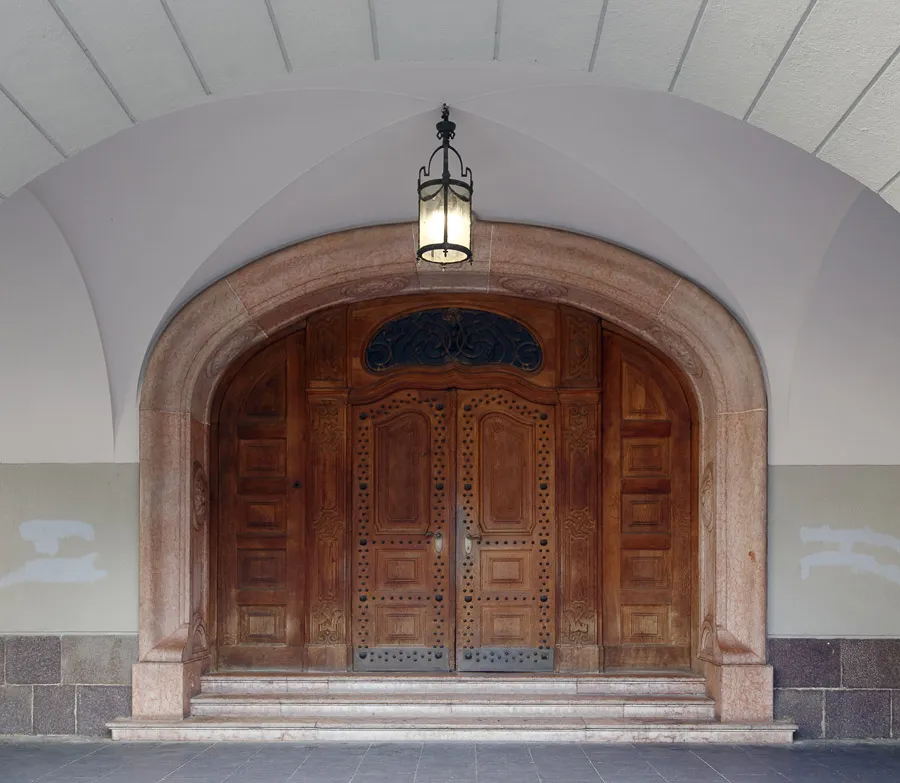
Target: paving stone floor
[(51, 761)]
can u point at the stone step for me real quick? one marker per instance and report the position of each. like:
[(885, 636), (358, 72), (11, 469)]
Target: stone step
[(599, 685), (438, 704), (508, 729)]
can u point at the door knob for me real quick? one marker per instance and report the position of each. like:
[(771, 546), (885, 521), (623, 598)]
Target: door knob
[(469, 539)]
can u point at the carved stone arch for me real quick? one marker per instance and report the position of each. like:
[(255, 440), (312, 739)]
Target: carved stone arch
[(677, 317)]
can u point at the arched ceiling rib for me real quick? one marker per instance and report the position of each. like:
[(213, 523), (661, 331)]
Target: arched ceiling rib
[(822, 74)]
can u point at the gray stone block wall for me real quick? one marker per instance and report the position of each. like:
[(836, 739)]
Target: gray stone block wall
[(75, 684), (64, 684), (838, 688)]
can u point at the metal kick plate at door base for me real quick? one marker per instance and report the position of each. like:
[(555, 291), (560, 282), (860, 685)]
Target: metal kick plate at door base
[(504, 659), (401, 659)]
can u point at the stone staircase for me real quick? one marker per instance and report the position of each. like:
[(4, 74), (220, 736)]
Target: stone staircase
[(515, 708)]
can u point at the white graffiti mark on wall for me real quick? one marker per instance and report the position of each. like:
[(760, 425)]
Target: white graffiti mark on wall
[(45, 535), (845, 556)]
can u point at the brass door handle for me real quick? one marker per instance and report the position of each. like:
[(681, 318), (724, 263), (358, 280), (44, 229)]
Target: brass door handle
[(469, 539), (438, 540)]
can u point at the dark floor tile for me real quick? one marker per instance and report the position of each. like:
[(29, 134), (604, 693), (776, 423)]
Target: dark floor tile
[(551, 778), (632, 767), (321, 778), (510, 777), (806, 763), (211, 778), (444, 779), (822, 776), (449, 769), (737, 763)]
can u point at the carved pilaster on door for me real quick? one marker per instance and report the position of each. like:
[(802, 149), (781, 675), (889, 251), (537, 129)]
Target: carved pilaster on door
[(199, 638), (579, 347), (326, 349), (578, 504), (327, 539)]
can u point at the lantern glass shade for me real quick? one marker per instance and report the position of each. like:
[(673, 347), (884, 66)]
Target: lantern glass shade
[(445, 222)]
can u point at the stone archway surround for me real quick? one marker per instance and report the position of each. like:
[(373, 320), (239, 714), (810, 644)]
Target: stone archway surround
[(258, 300)]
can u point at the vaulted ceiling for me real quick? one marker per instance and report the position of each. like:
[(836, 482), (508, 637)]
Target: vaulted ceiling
[(821, 74), (149, 147)]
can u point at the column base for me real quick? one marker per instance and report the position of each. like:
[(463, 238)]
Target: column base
[(164, 690), (743, 692), (586, 658)]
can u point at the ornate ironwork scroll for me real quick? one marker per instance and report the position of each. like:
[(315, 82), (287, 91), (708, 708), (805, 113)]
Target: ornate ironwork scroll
[(433, 338)]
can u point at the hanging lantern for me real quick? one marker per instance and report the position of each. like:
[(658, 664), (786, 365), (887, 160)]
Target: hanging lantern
[(445, 204)]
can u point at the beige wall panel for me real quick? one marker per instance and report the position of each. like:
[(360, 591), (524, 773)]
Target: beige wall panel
[(68, 548), (834, 550)]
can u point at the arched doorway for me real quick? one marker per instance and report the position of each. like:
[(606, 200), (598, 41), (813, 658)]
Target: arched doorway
[(454, 483), (672, 315)]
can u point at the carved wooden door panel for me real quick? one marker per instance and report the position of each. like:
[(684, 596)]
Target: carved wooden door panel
[(647, 569), (261, 507), (506, 533), (403, 547)]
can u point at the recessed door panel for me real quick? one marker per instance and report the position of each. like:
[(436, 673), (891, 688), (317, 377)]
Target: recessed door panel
[(506, 533), (402, 489), (507, 474)]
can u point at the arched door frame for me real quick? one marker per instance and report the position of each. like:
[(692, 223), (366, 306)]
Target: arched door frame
[(240, 311)]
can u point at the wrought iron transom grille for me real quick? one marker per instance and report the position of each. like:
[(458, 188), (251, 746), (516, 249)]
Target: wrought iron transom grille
[(453, 335)]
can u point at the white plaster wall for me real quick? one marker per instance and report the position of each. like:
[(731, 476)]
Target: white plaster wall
[(845, 372), (792, 247), (54, 391)]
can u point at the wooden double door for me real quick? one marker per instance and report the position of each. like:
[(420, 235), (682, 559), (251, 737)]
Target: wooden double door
[(478, 484), (454, 532)]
